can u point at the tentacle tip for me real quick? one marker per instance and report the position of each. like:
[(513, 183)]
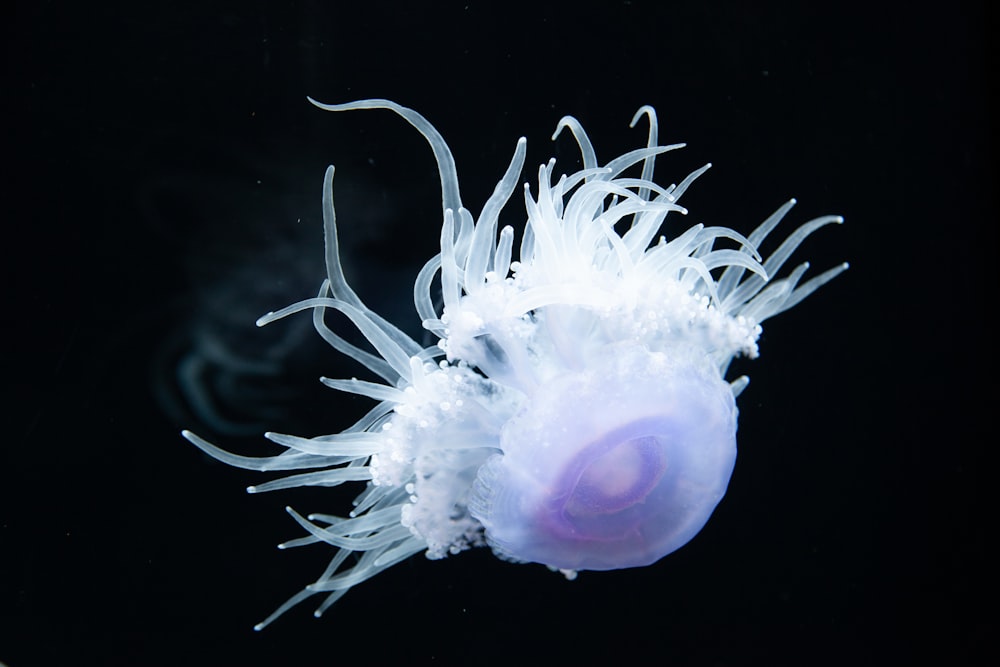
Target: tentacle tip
[(251, 489)]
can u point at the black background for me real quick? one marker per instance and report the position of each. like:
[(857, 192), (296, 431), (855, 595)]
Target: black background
[(162, 190)]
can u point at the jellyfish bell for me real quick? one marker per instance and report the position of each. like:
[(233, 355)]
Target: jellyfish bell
[(574, 410), (611, 467)]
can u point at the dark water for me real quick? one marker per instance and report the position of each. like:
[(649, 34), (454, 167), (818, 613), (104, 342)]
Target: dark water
[(162, 191)]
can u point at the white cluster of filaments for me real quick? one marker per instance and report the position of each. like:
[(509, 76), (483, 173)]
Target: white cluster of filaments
[(507, 324), (572, 257)]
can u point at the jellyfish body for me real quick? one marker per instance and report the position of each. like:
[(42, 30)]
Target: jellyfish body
[(574, 411), (613, 466)]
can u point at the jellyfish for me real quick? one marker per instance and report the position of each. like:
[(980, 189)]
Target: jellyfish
[(574, 410)]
